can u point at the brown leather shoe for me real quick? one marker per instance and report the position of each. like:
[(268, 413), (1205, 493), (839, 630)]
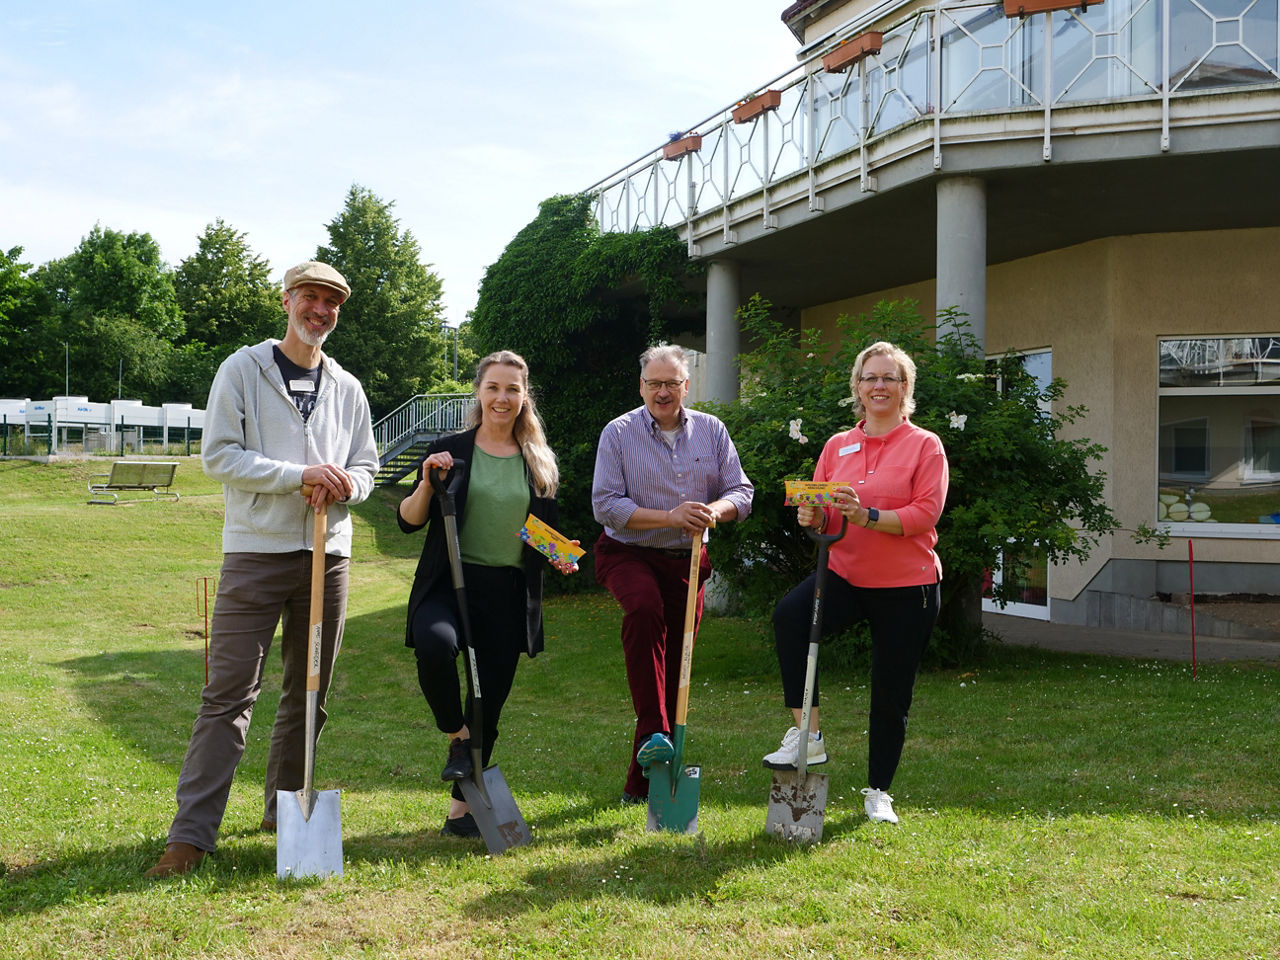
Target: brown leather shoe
[(179, 858), (267, 826)]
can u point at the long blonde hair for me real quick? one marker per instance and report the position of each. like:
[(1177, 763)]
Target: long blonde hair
[(539, 458), (906, 370)]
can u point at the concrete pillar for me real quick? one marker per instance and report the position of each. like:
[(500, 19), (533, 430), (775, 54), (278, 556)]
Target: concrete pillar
[(962, 250), (722, 331)]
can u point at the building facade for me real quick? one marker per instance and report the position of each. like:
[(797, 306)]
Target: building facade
[(1096, 187)]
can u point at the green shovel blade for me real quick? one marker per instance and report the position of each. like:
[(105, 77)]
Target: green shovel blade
[(674, 806)]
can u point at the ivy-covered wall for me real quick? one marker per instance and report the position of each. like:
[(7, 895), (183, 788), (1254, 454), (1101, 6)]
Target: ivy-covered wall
[(581, 306)]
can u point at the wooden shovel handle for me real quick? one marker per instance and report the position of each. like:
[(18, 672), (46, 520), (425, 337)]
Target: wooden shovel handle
[(690, 622), (316, 625)]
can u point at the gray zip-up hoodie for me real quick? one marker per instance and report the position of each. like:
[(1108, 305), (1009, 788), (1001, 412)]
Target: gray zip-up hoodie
[(256, 445)]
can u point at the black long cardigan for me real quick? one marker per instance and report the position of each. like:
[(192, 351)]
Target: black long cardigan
[(434, 562)]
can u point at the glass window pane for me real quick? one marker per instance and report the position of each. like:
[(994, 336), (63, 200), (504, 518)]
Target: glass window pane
[(1262, 453), (1219, 458), (1225, 361)]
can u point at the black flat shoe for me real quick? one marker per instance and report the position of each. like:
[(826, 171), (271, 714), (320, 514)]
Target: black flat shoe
[(463, 826), (458, 766)]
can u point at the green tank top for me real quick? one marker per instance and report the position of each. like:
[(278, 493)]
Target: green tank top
[(497, 504)]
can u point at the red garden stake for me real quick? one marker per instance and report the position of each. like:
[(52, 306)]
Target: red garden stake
[(1191, 587)]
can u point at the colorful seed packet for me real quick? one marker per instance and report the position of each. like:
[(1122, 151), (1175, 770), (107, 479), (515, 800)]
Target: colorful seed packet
[(812, 493), (549, 543)]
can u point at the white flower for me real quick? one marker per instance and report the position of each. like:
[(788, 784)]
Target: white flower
[(957, 420), (968, 376), (794, 431)]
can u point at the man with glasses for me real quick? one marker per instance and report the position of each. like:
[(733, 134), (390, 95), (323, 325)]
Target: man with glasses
[(664, 474)]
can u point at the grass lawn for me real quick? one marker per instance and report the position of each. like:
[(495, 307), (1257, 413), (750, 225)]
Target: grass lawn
[(1051, 805)]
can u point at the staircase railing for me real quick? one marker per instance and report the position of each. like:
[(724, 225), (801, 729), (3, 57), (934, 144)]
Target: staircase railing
[(438, 413)]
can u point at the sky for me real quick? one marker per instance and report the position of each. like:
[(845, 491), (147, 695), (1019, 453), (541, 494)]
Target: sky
[(162, 117)]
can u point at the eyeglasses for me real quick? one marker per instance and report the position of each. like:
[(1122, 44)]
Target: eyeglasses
[(659, 384), (870, 381)]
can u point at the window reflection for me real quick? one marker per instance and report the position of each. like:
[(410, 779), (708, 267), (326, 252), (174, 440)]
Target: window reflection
[(1219, 430)]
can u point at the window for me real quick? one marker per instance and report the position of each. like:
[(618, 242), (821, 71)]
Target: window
[(1262, 452), (1028, 571), (1219, 435), (1188, 449)]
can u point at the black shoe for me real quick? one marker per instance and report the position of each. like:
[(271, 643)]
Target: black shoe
[(463, 826), (631, 800), (458, 766)]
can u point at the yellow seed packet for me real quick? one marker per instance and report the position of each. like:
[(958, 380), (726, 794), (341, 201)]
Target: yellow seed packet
[(812, 493), (549, 543)]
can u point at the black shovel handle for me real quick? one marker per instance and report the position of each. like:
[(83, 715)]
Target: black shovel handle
[(448, 509), (824, 541), (437, 477)]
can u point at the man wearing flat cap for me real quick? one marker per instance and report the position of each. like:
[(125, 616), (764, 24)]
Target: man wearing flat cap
[(281, 414)]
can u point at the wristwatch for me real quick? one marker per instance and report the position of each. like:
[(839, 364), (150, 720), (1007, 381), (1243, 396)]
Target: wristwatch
[(873, 515)]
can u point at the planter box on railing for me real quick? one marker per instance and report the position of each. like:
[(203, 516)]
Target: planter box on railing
[(851, 51), (1024, 8), (748, 110), (676, 149)]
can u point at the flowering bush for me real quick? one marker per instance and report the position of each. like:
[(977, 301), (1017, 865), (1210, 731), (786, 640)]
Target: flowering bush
[(1016, 486)]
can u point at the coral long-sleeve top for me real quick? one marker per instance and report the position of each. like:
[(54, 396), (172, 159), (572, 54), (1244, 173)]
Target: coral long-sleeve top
[(904, 470)]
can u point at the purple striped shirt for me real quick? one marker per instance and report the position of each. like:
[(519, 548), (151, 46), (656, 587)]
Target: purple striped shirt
[(636, 468)]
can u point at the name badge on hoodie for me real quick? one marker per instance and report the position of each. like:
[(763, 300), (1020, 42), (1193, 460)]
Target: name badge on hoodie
[(301, 386), (851, 448)]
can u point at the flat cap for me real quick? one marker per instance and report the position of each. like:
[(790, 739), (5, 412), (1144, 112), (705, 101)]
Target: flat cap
[(313, 271)]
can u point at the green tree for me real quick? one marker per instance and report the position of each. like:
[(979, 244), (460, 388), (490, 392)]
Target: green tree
[(21, 329), (581, 306), (389, 334), (1017, 485), (228, 300), (113, 303)]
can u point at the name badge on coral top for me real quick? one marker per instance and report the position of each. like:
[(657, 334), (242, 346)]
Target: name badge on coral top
[(301, 386), (851, 448)]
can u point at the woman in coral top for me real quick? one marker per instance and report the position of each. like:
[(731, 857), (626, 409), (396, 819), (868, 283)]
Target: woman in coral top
[(885, 570)]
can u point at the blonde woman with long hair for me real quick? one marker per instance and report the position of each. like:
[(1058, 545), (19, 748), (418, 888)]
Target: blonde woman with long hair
[(508, 472)]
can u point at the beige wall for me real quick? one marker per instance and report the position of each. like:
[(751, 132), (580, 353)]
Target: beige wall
[(1100, 307)]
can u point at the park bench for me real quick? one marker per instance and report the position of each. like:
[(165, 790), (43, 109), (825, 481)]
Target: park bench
[(150, 475)]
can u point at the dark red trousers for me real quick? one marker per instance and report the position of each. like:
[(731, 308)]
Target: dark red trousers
[(652, 587)]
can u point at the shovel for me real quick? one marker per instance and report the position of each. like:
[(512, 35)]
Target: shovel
[(309, 827), (486, 792), (798, 799), (673, 787)]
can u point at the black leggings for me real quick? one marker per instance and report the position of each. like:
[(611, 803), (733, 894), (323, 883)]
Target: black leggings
[(901, 619), (496, 608)]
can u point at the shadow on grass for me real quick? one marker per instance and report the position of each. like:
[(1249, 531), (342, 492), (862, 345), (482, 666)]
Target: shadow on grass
[(244, 860), (661, 869)]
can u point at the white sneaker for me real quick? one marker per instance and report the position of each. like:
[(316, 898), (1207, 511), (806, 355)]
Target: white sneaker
[(784, 758), (879, 805)]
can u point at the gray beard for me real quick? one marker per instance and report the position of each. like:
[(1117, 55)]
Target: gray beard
[(309, 338)]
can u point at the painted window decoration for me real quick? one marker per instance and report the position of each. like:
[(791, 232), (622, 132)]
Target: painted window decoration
[(1218, 460)]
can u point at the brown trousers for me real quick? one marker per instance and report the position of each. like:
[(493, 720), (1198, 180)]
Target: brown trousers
[(255, 592)]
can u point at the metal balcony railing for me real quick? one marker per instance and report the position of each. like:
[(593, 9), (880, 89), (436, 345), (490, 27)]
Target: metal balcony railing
[(950, 60)]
